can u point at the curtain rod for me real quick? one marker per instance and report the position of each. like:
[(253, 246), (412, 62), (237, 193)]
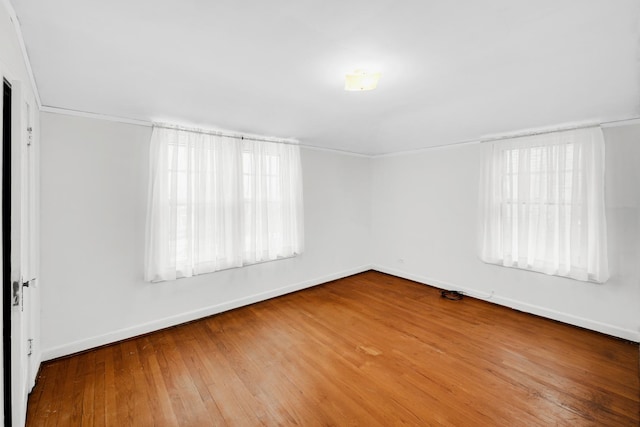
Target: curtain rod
[(228, 134), (546, 131)]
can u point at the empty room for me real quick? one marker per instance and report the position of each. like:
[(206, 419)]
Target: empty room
[(314, 213)]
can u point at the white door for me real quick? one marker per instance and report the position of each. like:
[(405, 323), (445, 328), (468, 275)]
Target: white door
[(21, 269), (23, 204)]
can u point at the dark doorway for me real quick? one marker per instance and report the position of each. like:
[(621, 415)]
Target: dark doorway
[(6, 248)]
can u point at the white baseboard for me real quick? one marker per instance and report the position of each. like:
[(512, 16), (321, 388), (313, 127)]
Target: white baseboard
[(123, 334), (616, 331)]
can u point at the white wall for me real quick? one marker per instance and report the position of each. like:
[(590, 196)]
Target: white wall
[(94, 193), (418, 209), (424, 226)]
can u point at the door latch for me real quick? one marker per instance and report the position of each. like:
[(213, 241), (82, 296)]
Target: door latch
[(15, 296)]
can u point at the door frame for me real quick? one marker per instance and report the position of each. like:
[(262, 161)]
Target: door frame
[(6, 250), (16, 313)]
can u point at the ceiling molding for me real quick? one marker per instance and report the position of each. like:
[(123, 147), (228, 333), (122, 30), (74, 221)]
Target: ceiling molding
[(431, 148), (622, 122), (335, 150), (97, 116), (136, 122), (523, 132), (25, 57), (559, 128), (608, 124)]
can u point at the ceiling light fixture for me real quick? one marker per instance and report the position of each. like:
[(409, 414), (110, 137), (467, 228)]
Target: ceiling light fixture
[(361, 80)]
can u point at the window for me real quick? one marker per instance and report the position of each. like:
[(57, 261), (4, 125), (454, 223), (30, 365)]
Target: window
[(542, 204), (218, 202)]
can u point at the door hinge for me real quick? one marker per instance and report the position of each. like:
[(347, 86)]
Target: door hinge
[(30, 346)]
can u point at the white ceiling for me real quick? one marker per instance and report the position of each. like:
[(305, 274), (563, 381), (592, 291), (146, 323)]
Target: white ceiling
[(451, 70)]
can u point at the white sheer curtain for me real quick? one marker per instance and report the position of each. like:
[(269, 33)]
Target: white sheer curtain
[(217, 202), (542, 204)]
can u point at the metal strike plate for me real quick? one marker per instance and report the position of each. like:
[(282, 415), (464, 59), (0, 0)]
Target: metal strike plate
[(15, 296)]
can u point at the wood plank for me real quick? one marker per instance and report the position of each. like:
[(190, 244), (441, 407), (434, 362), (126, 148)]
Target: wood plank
[(99, 392), (370, 349), (110, 402), (159, 400)]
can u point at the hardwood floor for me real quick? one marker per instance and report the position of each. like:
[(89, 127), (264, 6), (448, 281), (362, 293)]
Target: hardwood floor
[(369, 350)]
